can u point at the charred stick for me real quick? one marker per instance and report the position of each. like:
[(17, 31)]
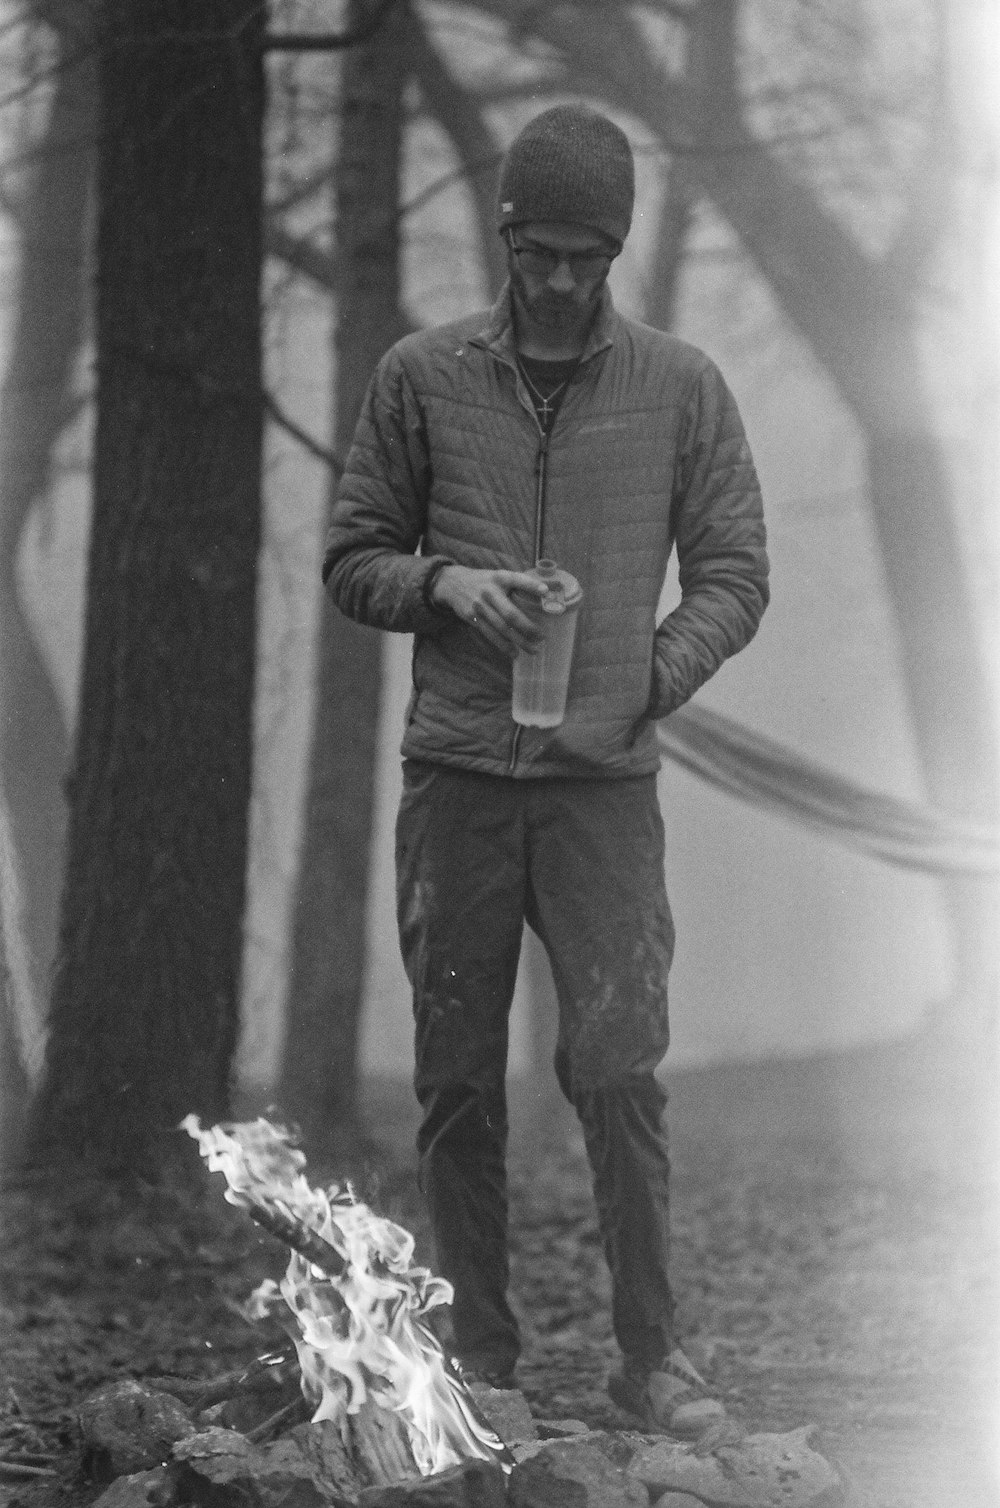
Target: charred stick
[(274, 1422), (263, 1373), (16, 1471)]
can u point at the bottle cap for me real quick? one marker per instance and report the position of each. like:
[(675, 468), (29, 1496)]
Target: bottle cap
[(564, 590)]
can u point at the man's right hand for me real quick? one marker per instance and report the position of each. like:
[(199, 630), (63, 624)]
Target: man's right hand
[(484, 600)]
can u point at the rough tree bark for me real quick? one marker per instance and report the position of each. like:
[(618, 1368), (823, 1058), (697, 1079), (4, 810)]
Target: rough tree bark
[(319, 1076), (144, 1009)]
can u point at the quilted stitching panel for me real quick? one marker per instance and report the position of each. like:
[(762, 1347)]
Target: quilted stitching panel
[(648, 447)]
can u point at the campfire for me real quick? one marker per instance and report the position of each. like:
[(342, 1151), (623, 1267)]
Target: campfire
[(371, 1413), (354, 1303)]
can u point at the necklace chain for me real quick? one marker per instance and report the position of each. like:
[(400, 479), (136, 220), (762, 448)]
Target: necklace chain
[(547, 400)]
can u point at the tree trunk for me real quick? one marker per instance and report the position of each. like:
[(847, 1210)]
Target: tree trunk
[(145, 1003), (319, 1081), (34, 404)]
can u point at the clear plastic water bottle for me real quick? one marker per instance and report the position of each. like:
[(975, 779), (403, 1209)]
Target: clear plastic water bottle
[(541, 679)]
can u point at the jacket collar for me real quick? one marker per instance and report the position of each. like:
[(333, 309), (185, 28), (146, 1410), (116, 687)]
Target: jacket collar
[(497, 334)]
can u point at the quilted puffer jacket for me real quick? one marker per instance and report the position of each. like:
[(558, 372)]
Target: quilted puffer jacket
[(449, 464)]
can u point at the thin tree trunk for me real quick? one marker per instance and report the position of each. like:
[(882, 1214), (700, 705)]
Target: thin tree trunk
[(34, 403), (145, 1003), (319, 1078)]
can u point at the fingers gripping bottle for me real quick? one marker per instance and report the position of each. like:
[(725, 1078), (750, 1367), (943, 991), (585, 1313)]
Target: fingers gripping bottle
[(541, 679)]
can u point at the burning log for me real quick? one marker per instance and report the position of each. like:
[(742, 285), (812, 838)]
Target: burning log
[(356, 1309), (297, 1236), (330, 1261)]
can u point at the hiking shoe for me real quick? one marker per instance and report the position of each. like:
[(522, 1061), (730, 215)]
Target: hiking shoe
[(672, 1397)]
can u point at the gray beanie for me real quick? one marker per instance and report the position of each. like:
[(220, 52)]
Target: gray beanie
[(573, 165)]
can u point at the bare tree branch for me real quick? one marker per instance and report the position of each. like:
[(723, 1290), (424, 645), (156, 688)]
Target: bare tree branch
[(329, 41), (300, 253), (304, 189), (478, 148), (285, 422)]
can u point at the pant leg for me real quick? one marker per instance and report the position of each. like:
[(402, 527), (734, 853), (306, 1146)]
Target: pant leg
[(460, 895), (597, 898)]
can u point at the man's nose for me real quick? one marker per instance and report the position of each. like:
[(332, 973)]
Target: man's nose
[(561, 279)]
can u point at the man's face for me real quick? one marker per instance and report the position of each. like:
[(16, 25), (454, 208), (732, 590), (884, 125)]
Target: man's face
[(557, 271)]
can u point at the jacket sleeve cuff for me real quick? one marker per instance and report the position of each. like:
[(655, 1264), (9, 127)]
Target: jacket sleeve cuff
[(436, 567)]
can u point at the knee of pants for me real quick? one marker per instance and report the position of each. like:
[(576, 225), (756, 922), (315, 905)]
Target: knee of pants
[(627, 1065), (626, 1097), (461, 1118)]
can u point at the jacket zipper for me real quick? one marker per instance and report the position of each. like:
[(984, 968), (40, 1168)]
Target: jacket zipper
[(541, 469)]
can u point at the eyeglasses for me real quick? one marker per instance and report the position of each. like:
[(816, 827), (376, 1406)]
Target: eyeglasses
[(542, 261)]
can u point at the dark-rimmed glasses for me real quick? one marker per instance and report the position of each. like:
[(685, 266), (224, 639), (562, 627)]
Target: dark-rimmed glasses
[(542, 261)]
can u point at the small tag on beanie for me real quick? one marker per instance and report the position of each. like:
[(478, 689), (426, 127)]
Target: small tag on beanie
[(507, 208)]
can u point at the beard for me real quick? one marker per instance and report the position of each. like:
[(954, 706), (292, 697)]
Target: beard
[(554, 312), (558, 312)]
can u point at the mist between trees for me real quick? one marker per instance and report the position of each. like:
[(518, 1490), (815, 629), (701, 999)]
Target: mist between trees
[(213, 227)]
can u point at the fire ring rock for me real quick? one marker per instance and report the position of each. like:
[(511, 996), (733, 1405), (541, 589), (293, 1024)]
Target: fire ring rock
[(573, 1471), (473, 1484), (144, 1489), (762, 1471), (217, 1468), (128, 1428)]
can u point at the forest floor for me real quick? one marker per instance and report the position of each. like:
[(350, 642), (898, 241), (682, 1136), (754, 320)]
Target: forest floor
[(835, 1257)]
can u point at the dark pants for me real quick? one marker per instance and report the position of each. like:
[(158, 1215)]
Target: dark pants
[(582, 862)]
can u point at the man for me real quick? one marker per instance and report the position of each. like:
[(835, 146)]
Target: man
[(548, 427)]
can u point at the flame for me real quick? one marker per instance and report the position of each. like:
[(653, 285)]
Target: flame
[(362, 1335)]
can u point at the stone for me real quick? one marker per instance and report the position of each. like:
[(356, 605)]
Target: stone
[(506, 1410), (307, 1468), (141, 1489), (560, 1429), (760, 1471), (220, 1454), (576, 1472), (472, 1484), (128, 1428)]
